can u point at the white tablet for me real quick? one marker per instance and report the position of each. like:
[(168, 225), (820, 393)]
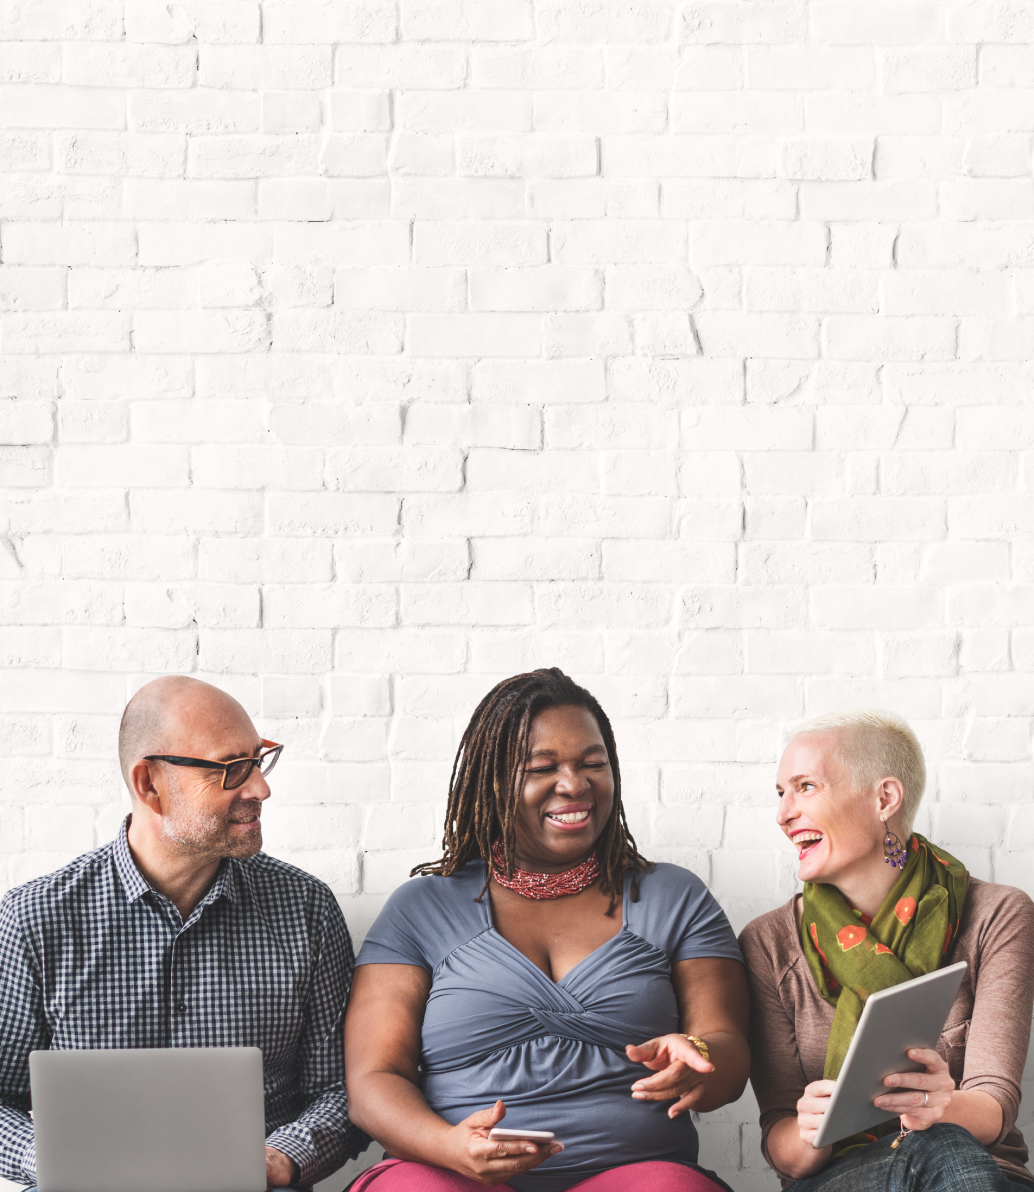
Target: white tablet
[(893, 1021)]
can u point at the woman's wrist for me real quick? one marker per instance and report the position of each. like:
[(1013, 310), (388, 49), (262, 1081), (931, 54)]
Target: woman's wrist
[(978, 1112), (699, 1044), (790, 1155), (430, 1139), (730, 1060)]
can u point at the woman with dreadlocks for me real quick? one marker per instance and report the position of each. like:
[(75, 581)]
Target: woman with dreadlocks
[(538, 973)]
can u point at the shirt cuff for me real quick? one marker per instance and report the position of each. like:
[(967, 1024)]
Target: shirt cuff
[(28, 1160), (299, 1154)]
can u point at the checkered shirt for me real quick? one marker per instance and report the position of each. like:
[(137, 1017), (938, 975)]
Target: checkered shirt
[(92, 957)]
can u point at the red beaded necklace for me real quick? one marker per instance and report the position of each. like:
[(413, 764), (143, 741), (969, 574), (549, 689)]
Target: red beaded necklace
[(545, 885)]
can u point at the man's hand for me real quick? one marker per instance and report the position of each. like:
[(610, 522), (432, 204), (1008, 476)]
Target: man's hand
[(681, 1072), (279, 1169)]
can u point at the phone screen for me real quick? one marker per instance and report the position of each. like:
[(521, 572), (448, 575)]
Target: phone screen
[(499, 1134)]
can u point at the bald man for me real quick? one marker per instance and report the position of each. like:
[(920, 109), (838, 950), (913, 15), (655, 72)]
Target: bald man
[(182, 933)]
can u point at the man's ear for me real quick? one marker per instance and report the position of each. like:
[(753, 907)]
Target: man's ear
[(142, 785), (891, 798)]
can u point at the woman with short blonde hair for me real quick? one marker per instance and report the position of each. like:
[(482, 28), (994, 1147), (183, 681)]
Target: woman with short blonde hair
[(882, 905)]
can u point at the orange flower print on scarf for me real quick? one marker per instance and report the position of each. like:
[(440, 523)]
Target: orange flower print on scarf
[(831, 981), (904, 939), (850, 936), (905, 909), (813, 931)]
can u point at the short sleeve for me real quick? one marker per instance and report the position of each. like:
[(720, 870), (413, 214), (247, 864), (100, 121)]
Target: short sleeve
[(677, 913), (399, 933), (427, 918)]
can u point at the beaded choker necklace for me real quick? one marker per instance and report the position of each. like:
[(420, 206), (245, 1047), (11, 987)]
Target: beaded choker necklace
[(545, 885)]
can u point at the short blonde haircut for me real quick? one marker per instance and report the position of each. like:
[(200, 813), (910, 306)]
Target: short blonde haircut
[(876, 744)]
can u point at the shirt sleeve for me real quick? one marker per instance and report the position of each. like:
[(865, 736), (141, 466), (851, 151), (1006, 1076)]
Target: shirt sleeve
[(776, 1073), (999, 1031), (681, 916), (406, 930), (23, 1028), (321, 1138)]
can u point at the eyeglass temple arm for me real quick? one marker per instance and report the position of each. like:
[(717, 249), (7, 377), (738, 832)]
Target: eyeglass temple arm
[(196, 762)]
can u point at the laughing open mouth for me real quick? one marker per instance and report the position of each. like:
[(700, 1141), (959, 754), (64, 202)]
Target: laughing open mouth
[(569, 817), (805, 841)]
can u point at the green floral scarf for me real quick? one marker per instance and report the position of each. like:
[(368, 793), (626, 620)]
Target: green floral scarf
[(910, 936)]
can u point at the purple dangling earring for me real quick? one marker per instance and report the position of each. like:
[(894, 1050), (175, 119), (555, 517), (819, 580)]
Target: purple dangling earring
[(894, 852)]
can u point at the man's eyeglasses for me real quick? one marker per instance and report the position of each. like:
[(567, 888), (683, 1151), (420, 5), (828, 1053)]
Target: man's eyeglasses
[(235, 773)]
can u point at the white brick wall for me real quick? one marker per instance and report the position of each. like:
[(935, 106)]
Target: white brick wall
[(355, 354)]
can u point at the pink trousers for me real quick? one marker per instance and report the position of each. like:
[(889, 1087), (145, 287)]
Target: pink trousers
[(396, 1175)]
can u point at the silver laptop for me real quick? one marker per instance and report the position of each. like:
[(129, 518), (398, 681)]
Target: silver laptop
[(189, 1119)]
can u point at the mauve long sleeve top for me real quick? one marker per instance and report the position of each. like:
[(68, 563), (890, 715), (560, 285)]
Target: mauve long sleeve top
[(984, 1040)]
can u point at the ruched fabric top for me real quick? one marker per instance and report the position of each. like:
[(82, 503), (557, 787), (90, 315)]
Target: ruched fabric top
[(497, 1027)]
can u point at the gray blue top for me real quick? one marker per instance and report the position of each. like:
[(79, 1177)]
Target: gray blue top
[(497, 1026)]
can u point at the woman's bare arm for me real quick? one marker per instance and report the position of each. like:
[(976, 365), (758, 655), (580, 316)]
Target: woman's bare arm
[(382, 1050), (382, 1055), (788, 1152), (714, 1005)]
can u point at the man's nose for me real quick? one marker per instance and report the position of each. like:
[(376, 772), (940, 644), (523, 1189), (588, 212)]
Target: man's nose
[(256, 787)]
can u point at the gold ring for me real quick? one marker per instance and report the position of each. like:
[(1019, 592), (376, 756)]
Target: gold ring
[(700, 1045)]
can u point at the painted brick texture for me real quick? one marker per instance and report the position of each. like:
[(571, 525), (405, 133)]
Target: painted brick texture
[(355, 355)]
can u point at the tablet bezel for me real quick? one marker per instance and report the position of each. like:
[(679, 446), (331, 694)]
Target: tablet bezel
[(912, 1026)]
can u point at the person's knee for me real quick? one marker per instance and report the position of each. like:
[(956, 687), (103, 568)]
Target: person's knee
[(951, 1137), (951, 1148)]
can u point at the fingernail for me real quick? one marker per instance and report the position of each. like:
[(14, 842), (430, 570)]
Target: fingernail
[(532, 1150)]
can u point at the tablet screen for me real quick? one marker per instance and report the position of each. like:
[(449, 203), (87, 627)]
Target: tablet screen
[(893, 1021)]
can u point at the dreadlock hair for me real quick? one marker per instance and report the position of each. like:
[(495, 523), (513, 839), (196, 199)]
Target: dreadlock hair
[(485, 787)]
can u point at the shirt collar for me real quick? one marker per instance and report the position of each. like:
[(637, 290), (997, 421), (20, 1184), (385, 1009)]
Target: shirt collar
[(136, 885)]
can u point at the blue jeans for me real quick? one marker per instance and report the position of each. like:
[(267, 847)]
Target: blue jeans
[(945, 1158)]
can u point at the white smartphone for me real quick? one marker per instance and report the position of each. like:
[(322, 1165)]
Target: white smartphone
[(497, 1134)]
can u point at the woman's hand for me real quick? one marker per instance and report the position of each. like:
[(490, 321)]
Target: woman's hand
[(810, 1110), (922, 1097), (681, 1072), (791, 1140), (469, 1151)]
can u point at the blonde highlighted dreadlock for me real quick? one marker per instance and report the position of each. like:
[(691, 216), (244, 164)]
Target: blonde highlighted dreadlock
[(487, 775)]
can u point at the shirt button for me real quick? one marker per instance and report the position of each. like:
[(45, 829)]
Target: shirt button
[(181, 1007)]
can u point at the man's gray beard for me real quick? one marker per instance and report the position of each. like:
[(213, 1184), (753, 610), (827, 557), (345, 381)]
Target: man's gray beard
[(199, 833)]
